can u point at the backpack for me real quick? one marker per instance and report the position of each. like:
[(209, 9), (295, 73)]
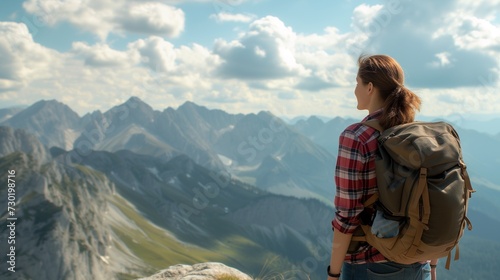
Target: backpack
[(423, 185)]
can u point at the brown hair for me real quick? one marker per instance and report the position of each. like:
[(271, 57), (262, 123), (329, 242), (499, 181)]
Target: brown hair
[(385, 73)]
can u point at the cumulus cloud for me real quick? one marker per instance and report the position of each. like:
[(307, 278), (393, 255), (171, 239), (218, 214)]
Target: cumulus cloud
[(326, 57), (265, 51), (101, 55), (22, 59), (86, 75), (421, 47), (229, 17), (189, 67), (268, 66), (470, 32), (104, 17), (158, 54), (151, 18), (364, 15)]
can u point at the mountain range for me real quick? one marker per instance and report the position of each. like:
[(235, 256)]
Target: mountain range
[(126, 192)]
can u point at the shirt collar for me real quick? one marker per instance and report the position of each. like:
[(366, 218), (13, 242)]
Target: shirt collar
[(374, 115)]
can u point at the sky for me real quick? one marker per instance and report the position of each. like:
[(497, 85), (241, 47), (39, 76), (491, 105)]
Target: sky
[(292, 58)]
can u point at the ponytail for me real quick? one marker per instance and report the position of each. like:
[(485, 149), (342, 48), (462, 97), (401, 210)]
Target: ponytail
[(387, 76), (399, 107)]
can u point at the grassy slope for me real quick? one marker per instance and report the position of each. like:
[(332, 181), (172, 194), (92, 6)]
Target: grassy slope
[(159, 249)]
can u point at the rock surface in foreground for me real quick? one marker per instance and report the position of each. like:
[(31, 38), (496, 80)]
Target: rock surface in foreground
[(202, 271)]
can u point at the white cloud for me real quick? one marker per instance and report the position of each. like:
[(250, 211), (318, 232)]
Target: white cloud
[(88, 75), (443, 59), (102, 17), (326, 57), (151, 18), (364, 15), (269, 65), (229, 17), (158, 54), (22, 59), (469, 32), (245, 59), (101, 55), (415, 45)]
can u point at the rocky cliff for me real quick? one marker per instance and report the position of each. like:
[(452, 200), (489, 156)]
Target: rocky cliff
[(60, 231)]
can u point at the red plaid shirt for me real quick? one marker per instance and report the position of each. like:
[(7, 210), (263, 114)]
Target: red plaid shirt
[(356, 180)]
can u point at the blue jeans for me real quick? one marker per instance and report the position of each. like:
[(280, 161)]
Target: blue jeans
[(385, 271)]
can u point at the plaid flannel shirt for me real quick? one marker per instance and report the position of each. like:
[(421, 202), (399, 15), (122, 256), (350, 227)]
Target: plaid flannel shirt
[(355, 181)]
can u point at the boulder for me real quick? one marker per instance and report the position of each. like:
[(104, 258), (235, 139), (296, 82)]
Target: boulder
[(201, 271)]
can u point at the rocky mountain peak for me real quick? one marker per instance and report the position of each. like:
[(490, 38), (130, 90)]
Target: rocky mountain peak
[(53, 122), (18, 140), (134, 110), (313, 120), (45, 110), (135, 101)]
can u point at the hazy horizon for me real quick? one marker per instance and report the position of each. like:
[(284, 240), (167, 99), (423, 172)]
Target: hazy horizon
[(479, 122)]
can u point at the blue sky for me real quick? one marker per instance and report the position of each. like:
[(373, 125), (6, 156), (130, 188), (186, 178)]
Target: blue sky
[(292, 57)]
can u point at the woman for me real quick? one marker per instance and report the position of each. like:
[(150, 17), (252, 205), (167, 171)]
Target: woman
[(380, 90)]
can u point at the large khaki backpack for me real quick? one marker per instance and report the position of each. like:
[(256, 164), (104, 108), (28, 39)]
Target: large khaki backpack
[(423, 183)]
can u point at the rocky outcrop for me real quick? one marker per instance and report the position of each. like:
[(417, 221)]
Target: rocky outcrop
[(18, 140), (201, 271), (61, 224)]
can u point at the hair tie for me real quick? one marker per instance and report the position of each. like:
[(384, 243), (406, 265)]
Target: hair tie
[(398, 89)]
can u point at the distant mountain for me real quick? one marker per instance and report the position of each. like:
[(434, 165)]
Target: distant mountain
[(177, 193), (263, 150), (54, 123), (481, 154), (126, 213), (488, 124), (475, 261), (7, 113), (479, 149), (134, 125), (259, 149), (326, 134), (491, 126)]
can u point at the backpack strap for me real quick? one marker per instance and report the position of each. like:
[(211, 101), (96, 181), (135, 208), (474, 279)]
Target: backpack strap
[(374, 123), (422, 192), (448, 259), (369, 202), (469, 190)]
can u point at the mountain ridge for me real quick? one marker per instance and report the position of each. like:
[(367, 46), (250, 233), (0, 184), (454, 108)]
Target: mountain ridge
[(165, 210), (215, 139), (110, 196)]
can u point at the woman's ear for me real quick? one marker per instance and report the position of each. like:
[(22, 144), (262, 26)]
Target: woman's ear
[(370, 88)]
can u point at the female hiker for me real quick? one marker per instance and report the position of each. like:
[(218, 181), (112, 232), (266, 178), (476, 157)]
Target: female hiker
[(380, 90)]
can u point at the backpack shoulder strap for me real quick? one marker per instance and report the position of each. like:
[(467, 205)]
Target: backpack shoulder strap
[(374, 123)]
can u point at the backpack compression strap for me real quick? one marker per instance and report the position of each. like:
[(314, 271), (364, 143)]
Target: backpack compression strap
[(469, 190)]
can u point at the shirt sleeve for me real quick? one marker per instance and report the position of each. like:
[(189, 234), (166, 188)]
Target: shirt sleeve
[(350, 179)]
